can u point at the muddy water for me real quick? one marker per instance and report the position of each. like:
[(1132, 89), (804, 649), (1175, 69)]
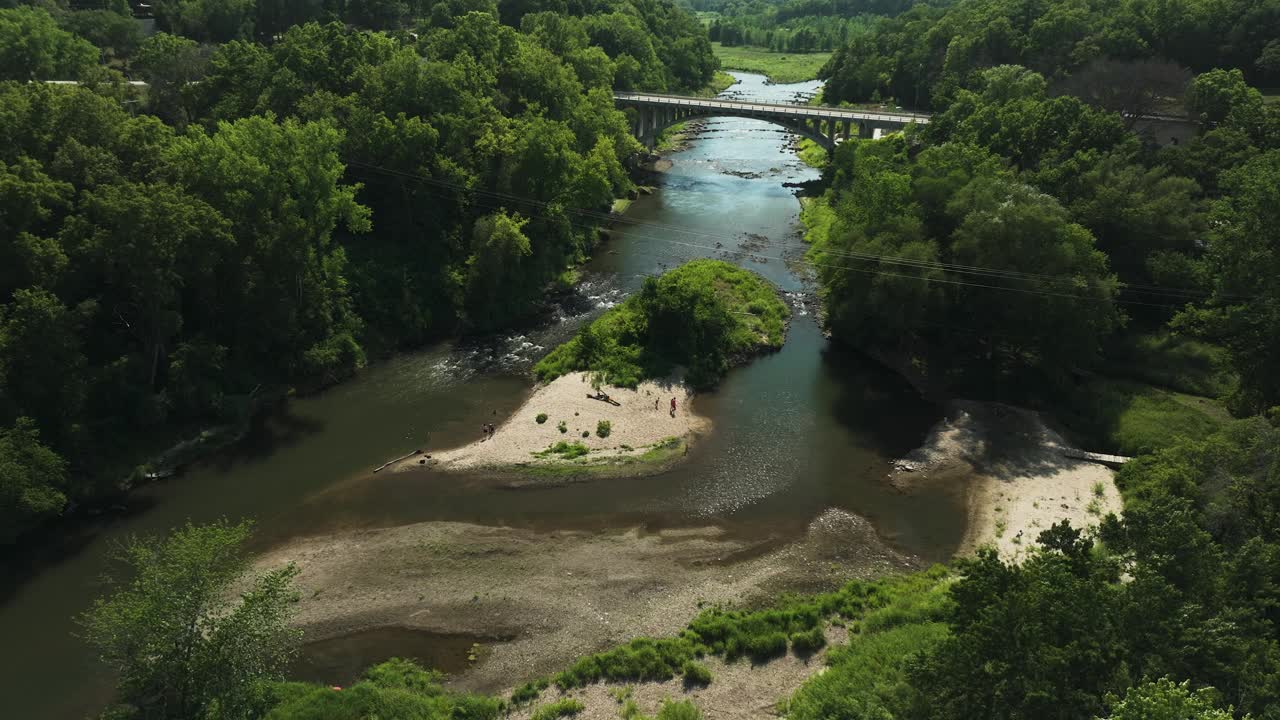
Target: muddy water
[(801, 430)]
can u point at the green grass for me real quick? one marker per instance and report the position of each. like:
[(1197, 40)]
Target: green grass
[(564, 450), (1132, 418), (555, 467), (529, 691), (394, 689), (818, 218), (812, 154), (760, 635), (695, 673), (1171, 361), (779, 67), (720, 82), (679, 710), (867, 678), (705, 316), (561, 708)]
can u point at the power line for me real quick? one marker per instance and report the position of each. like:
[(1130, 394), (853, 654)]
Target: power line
[(498, 196)]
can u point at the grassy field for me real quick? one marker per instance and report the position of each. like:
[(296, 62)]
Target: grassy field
[(780, 67), (719, 83), (1130, 418)]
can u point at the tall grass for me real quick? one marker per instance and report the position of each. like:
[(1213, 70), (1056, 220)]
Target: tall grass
[(761, 635), (779, 67)]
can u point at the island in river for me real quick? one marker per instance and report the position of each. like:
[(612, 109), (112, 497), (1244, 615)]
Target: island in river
[(647, 427)]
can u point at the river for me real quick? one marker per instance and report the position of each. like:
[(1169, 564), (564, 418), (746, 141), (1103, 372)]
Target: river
[(805, 429)]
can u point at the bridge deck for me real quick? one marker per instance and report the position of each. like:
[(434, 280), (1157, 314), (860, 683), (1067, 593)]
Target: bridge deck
[(770, 109)]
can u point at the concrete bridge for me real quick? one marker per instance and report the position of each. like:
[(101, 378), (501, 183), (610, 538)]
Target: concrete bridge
[(826, 126)]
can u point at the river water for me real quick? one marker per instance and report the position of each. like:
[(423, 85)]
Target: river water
[(807, 428)]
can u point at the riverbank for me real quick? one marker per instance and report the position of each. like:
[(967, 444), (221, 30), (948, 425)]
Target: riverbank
[(560, 426), (1017, 482), (777, 67), (555, 596)]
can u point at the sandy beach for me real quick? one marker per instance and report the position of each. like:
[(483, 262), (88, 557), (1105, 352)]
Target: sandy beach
[(635, 425), (1017, 481)]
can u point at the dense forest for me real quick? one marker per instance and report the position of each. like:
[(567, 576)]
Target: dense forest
[(292, 192), (1028, 244), (796, 26), (926, 56)]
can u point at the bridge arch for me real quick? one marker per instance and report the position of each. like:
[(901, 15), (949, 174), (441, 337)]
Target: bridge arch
[(651, 114), (647, 129)]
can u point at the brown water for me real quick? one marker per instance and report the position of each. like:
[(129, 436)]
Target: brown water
[(805, 429), (343, 659)]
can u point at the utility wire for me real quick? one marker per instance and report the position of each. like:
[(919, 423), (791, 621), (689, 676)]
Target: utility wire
[(496, 199)]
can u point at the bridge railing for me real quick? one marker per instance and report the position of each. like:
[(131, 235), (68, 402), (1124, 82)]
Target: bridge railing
[(786, 109)]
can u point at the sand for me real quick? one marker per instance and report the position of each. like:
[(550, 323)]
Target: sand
[(635, 424), (1017, 481), (549, 597)]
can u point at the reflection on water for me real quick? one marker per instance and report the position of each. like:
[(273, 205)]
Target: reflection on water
[(342, 660), (804, 429)]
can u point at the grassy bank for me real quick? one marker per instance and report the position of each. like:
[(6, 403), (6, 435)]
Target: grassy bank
[(704, 315), (779, 67), (720, 82), (888, 620), (570, 462)]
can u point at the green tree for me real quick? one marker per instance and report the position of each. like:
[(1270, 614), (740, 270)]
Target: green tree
[(170, 64), (42, 362), (33, 47), (184, 644), (1164, 699), (111, 31), (1222, 97), (207, 20), (278, 186), (33, 480), (1245, 310)]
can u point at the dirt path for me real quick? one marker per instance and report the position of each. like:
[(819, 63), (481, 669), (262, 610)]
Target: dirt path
[(635, 424), (557, 596), (1018, 482)]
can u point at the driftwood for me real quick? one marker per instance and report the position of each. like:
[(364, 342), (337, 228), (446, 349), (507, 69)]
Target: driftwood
[(605, 398), (392, 462)]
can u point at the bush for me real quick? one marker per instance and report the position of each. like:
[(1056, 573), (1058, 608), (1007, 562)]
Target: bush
[(529, 691), (642, 659), (566, 450), (766, 646), (603, 428), (695, 673), (682, 710), (558, 709), (809, 641), (562, 427), (542, 417)]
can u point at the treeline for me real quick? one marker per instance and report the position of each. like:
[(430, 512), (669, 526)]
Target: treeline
[(926, 55), (1001, 244), (797, 25), (281, 211)]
